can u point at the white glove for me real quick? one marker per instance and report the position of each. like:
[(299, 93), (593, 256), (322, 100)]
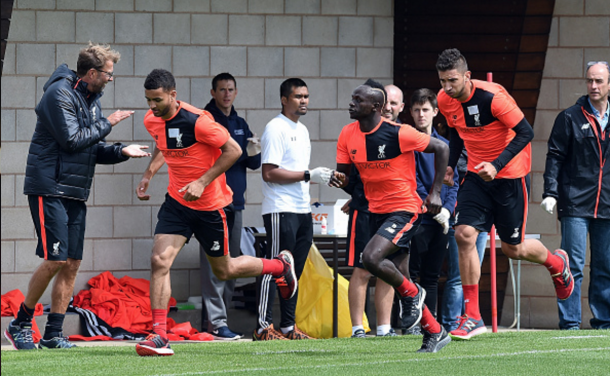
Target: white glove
[(443, 219), (320, 175), (548, 204), (254, 146)]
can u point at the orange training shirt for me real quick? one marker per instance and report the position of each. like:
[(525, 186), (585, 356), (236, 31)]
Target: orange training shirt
[(190, 142), (485, 123), (386, 162)]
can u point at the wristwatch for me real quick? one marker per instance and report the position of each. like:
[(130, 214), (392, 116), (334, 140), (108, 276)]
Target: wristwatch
[(306, 176)]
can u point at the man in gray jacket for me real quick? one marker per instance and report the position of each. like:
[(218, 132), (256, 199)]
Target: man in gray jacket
[(67, 144)]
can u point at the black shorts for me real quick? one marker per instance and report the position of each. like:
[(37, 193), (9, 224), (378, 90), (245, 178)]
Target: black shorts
[(358, 236), (397, 227), (60, 226), (500, 202), (211, 228)]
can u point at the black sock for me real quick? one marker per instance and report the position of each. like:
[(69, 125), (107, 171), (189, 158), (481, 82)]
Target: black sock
[(25, 314), (55, 323)]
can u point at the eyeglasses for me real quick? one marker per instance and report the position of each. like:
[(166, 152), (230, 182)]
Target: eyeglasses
[(109, 74)]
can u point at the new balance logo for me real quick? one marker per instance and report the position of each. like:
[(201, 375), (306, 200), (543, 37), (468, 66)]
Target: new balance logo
[(215, 246), (585, 126), (515, 234), (390, 230), (470, 324)]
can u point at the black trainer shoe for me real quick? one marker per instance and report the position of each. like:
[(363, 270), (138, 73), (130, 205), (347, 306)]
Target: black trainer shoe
[(434, 342), (412, 308), (414, 331), (287, 282), (59, 342), (20, 336)]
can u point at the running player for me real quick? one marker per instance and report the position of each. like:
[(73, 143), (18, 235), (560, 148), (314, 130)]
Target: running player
[(486, 120), (383, 153), (198, 151)]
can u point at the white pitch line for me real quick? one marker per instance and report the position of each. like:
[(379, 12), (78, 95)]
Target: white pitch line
[(570, 337), (288, 352), (435, 359)]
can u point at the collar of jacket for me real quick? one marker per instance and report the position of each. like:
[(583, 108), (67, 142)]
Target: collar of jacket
[(584, 102), (81, 87), (219, 116)]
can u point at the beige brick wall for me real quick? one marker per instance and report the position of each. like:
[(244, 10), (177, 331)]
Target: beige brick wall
[(580, 32), (334, 45), (261, 42)]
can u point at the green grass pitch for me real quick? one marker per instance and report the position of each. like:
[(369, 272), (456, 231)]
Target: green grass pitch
[(556, 353)]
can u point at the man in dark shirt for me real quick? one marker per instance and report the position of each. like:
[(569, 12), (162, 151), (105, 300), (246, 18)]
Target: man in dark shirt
[(217, 293)]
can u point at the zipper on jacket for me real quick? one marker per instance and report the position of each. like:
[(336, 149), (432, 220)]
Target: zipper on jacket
[(594, 124)]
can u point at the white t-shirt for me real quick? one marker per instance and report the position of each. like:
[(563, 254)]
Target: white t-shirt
[(286, 144)]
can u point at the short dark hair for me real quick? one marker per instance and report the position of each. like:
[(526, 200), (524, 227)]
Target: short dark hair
[(160, 78), (287, 86), (423, 96), (451, 59), (378, 92), (222, 77)]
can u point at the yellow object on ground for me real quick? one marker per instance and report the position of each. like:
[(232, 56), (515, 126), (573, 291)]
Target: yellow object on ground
[(314, 313)]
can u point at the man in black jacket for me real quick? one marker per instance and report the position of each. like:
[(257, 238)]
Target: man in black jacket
[(218, 294), (577, 180), (67, 144)]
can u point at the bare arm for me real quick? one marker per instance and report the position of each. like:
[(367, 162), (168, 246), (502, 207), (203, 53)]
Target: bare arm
[(275, 174), (157, 161)]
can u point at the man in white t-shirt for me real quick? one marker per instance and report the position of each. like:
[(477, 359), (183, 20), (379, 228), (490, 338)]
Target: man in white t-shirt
[(286, 203)]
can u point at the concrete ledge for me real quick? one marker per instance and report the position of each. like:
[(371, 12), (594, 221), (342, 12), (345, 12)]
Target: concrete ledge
[(240, 320)]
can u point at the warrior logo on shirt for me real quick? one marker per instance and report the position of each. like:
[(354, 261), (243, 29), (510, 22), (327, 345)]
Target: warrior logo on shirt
[(381, 152)]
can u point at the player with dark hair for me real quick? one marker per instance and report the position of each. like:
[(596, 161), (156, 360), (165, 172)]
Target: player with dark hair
[(429, 245), (286, 207), (383, 153), (218, 294), (486, 120), (197, 151)]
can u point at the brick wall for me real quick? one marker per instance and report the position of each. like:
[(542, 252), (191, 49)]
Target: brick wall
[(580, 32), (334, 45)]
